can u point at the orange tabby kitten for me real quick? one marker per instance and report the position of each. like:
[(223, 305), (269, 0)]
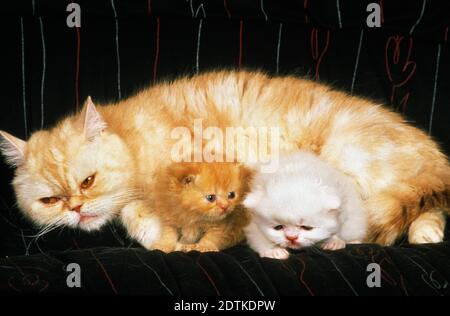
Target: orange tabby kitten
[(199, 203), (101, 163)]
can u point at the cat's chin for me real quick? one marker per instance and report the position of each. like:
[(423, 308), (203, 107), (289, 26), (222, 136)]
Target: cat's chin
[(88, 223)]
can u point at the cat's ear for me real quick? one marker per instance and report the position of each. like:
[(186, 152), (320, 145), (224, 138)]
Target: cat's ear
[(187, 179), (12, 148), (253, 199), (332, 202), (91, 121), (330, 198)]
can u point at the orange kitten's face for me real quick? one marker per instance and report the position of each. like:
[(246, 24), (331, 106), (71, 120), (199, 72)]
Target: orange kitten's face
[(72, 177), (209, 190)]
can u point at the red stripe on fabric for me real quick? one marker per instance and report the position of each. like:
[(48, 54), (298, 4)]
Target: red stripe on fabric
[(155, 63), (77, 71), (105, 273), (241, 31)]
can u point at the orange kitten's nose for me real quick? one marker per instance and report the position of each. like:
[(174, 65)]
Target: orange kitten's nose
[(223, 206), (77, 208)]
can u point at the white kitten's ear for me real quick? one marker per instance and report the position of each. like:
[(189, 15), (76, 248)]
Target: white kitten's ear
[(332, 202), (12, 148), (252, 199), (91, 120)]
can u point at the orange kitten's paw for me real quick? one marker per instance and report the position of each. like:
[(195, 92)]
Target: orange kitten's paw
[(427, 228), (275, 253), (334, 243), (163, 247), (198, 247)]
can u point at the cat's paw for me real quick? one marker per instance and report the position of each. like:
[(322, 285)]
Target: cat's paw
[(141, 226), (163, 247), (275, 253), (198, 247), (334, 243), (427, 228)]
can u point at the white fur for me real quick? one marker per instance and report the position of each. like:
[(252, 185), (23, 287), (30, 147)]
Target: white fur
[(304, 191)]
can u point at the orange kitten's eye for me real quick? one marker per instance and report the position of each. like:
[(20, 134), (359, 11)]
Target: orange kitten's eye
[(87, 183), (231, 195), (278, 227), (50, 200), (304, 227), (210, 198)]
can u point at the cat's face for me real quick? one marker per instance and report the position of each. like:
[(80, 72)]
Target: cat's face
[(294, 213), (74, 175), (209, 190)]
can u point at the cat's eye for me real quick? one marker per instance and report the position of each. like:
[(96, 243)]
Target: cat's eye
[(210, 198), (49, 200), (278, 227), (231, 195), (305, 227), (87, 183)]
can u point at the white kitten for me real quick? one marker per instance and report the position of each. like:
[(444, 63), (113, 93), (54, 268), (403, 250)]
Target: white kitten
[(304, 202)]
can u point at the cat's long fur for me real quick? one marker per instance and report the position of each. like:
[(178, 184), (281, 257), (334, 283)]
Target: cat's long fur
[(403, 176)]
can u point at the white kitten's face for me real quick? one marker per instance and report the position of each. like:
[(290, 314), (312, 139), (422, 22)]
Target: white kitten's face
[(294, 213), (295, 235)]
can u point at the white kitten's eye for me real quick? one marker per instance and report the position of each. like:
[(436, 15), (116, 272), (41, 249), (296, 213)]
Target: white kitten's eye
[(88, 182), (304, 227), (278, 227), (49, 200)]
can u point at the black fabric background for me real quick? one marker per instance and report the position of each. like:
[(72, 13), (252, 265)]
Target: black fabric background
[(159, 39)]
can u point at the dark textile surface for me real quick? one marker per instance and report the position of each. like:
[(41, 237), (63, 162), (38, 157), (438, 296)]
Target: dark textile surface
[(122, 46), (418, 270)]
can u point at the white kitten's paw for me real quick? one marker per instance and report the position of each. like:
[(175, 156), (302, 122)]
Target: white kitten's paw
[(334, 243), (275, 253), (427, 228)]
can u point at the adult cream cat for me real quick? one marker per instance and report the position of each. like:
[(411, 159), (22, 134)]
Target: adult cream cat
[(100, 164)]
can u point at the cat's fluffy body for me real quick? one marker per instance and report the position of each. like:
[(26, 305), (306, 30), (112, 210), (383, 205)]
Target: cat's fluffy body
[(401, 173), (189, 221), (305, 202)]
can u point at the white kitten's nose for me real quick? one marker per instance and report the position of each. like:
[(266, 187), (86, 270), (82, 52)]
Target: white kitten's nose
[(292, 238)]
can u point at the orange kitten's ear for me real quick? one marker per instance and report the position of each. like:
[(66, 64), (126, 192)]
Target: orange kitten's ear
[(91, 121), (12, 148), (184, 173), (187, 179)]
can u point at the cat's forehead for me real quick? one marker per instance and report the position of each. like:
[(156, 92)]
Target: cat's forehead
[(54, 161), (219, 174)]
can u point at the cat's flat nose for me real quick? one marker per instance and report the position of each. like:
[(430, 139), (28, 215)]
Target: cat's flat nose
[(77, 208), (292, 238), (223, 206)]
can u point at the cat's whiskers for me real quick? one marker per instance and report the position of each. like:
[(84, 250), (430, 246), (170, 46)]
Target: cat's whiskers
[(48, 228), (112, 203)]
